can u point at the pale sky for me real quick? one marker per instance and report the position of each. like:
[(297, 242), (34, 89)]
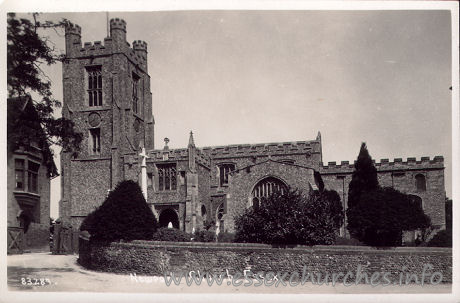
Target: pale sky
[(380, 77)]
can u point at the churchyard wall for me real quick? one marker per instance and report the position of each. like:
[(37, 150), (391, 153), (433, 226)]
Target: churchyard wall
[(156, 258)]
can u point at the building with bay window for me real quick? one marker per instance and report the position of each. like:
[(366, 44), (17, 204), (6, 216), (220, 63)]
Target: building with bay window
[(29, 170)]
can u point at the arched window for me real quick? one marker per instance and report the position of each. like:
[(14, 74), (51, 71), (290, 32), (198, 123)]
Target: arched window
[(420, 182), (267, 186)]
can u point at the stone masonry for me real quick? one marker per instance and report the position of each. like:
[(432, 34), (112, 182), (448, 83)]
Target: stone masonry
[(192, 186)]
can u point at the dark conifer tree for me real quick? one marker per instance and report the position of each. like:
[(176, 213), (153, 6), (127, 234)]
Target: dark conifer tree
[(364, 177), (124, 215)]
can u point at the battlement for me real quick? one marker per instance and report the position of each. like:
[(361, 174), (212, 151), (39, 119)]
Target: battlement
[(385, 165), (90, 46), (205, 154), (139, 45), (71, 28), (239, 150), (115, 43), (117, 23), (180, 154)]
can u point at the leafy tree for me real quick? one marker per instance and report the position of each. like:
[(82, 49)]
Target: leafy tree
[(124, 215), (27, 51), (364, 177), (292, 218)]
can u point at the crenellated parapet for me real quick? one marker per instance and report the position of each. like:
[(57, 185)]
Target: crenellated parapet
[(180, 154), (118, 24), (411, 163), (115, 43), (72, 39), (139, 45), (250, 150), (71, 28)]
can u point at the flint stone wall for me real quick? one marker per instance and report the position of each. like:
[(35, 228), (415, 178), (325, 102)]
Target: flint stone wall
[(156, 258)]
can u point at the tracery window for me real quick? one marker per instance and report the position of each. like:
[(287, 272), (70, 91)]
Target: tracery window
[(167, 176), (94, 89), (266, 187)]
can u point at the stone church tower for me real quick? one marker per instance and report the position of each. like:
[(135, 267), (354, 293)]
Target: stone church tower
[(107, 95)]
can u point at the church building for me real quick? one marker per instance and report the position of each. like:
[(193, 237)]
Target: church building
[(107, 95)]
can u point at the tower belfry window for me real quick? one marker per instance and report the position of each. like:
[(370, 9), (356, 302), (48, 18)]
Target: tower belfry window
[(94, 86)]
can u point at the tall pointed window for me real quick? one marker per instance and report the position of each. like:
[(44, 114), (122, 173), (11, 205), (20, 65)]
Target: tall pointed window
[(95, 141), (94, 88)]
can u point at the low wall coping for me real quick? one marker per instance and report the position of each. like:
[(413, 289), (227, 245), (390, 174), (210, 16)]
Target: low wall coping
[(257, 246)]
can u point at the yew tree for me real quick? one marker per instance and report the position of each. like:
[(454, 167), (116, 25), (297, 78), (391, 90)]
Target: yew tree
[(364, 176), (124, 215), (378, 216)]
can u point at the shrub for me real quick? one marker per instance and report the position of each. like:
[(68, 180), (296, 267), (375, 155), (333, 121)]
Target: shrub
[(226, 237), (124, 215), (442, 239), (347, 241), (171, 234), (291, 218), (204, 236)]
